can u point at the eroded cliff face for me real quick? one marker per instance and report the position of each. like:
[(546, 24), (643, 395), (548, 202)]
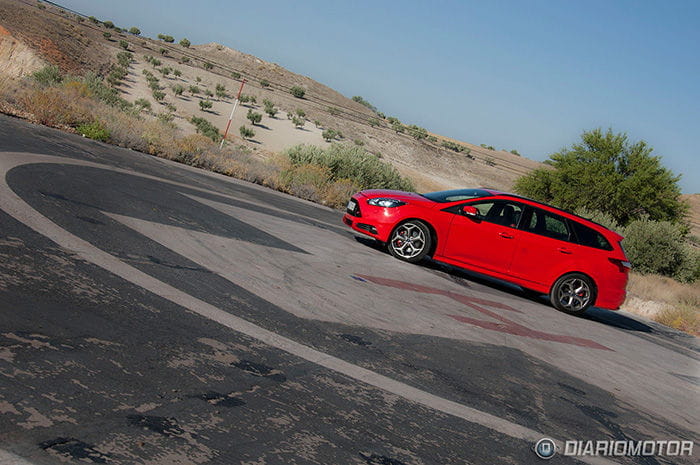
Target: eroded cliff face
[(16, 58)]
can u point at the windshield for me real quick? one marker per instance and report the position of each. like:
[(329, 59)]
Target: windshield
[(456, 195)]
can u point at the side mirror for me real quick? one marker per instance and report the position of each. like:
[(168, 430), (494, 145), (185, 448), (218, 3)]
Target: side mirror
[(470, 211)]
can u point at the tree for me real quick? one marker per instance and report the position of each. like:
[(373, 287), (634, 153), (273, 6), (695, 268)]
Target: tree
[(606, 172), (297, 91), (254, 117), (246, 133), (270, 108), (205, 104), (221, 91), (135, 31), (185, 43), (329, 134)]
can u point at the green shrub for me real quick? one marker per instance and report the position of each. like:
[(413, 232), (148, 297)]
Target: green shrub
[(205, 128), (93, 19), (185, 60), (94, 130), (236, 75), (177, 72), (158, 95), (254, 117), (107, 35), (166, 38), (515, 152), (205, 104), (300, 113), (142, 104), (108, 24), (185, 43), (135, 31), (178, 89), (373, 122), (246, 133), (297, 91), (329, 135), (659, 247), (48, 76), (398, 127), (194, 90), (333, 111), (350, 162), (364, 102), (298, 122), (417, 132), (155, 62), (265, 83), (207, 65), (124, 44), (269, 108), (125, 59)]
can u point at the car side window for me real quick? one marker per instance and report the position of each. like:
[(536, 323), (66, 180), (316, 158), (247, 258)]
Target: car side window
[(547, 224), (590, 238), (499, 212)]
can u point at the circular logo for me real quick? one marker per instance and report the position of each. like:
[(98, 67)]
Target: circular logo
[(545, 448)]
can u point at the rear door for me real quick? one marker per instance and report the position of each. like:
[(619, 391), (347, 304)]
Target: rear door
[(488, 240), (546, 247)]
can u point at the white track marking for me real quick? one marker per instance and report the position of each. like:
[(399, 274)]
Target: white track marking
[(23, 212)]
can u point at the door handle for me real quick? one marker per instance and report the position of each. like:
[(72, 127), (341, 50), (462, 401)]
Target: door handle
[(564, 250), (505, 235)]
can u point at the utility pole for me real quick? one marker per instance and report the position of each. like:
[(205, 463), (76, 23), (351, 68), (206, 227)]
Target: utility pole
[(235, 104)]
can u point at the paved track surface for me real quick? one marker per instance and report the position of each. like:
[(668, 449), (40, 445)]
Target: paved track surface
[(152, 313)]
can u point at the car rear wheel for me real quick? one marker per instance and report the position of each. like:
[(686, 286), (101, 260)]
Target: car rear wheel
[(573, 293), (410, 241)]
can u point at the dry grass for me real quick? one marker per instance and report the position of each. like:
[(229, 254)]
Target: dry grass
[(666, 301)]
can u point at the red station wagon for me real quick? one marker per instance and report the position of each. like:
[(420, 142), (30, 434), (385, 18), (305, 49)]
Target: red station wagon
[(577, 262)]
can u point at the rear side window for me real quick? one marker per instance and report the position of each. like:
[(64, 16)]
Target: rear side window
[(546, 224), (589, 237)]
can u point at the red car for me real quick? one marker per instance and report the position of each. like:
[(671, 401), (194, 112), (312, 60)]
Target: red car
[(577, 262)]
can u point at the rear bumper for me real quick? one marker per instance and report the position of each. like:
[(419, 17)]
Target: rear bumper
[(612, 292)]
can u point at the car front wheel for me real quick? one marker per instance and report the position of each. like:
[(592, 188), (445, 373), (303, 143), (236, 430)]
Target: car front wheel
[(573, 293), (410, 241)]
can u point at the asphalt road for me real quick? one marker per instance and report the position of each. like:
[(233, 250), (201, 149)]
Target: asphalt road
[(156, 314)]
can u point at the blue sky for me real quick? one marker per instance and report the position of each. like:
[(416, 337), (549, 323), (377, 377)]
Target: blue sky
[(525, 75)]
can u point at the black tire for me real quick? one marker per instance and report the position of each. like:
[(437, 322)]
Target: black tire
[(410, 241), (573, 293)]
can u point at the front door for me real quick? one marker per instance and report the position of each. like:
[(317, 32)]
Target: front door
[(488, 240)]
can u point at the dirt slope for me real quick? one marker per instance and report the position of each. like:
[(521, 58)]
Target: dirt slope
[(77, 45)]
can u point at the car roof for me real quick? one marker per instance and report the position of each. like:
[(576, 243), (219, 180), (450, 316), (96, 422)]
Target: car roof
[(551, 207)]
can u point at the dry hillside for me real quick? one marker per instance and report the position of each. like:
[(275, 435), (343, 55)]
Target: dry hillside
[(77, 45)]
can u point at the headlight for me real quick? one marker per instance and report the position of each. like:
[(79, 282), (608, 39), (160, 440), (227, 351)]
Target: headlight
[(387, 203)]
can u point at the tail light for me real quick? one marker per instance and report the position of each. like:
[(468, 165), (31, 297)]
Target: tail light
[(623, 265)]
